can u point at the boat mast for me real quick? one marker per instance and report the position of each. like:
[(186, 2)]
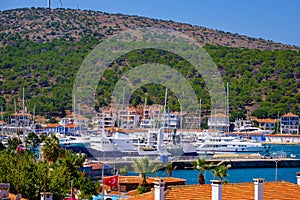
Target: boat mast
[(23, 116), (74, 113), (162, 130), (123, 108), (228, 118), (145, 107), (164, 119), (277, 121), (2, 122), (80, 130), (15, 104), (180, 117), (33, 118), (23, 104), (200, 107)]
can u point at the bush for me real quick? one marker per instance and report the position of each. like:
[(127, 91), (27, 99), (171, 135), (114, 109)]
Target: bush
[(143, 189)]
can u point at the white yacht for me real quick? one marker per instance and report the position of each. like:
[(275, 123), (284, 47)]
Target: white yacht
[(252, 129), (72, 141), (219, 143)]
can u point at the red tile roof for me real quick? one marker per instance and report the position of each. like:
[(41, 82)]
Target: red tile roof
[(282, 135), (268, 120), (237, 191), (290, 115), (71, 126), (21, 114), (52, 125), (150, 180)]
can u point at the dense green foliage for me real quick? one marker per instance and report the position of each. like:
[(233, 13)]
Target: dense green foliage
[(46, 71), (28, 175), (264, 82)]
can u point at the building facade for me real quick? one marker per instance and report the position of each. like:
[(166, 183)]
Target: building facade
[(289, 124)]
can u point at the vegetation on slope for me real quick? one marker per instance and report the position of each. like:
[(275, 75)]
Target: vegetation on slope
[(264, 82)]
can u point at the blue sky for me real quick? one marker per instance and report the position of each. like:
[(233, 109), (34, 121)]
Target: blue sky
[(277, 20)]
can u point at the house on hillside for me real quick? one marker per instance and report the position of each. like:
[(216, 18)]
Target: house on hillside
[(289, 124), (218, 121), (55, 128), (266, 124)]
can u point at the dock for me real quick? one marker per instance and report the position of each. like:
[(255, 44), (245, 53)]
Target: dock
[(233, 162), (245, 163)]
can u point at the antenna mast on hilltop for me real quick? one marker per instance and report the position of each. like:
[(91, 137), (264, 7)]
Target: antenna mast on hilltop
[(49, 4)]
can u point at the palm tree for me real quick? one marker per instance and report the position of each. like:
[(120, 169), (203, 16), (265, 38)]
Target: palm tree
[(32, 140), (201, 165), (51, 150), (220, 171), (169, 168), (124, 170), (143, 166)]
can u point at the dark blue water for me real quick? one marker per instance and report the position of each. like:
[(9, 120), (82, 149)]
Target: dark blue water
[(287, 149), (245, 175)]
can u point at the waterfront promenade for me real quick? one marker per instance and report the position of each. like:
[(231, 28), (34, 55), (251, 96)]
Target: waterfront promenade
[(235, 163)]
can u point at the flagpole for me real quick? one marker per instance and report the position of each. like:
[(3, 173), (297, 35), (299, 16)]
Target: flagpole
[(103, 155), (118, 185), (102, 180)]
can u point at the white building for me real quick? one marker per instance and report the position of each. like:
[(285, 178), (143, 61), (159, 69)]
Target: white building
[(289, 124), (218, 121)]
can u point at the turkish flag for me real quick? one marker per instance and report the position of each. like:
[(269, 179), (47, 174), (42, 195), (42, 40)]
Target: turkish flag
[(72, 194), (111, 181)]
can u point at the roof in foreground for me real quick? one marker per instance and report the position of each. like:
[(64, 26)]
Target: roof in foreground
[(237, 191)]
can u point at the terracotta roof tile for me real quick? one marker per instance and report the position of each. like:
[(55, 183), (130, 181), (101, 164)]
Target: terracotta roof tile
[(268, 120), (281, 190), (282, 135), (272, 190), (52, 125), (150, 180), (71, 125), (290, 115), (21, 114), (145, 196)]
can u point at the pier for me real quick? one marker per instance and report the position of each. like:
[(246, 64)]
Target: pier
[(234, 163), (245, 163)]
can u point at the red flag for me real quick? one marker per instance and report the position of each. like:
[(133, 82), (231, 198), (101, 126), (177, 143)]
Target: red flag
[(111, 181), (73, 195), (72, 192)]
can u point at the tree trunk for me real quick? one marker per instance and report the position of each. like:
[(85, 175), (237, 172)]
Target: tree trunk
[(201, 179)]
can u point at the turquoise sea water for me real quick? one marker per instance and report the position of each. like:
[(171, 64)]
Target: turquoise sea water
[(247, 174)]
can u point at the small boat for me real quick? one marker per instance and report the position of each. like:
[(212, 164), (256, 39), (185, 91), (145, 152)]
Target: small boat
[(293, 155)]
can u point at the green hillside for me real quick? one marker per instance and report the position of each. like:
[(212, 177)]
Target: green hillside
[(41, 50)]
